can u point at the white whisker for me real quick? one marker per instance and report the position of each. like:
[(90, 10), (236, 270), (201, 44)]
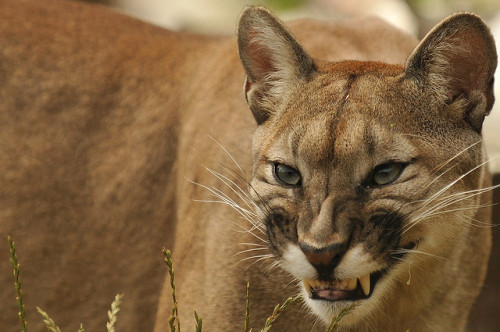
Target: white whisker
[(448, 186), (249, 231), (272, 266), (233, 186), (439, 167), (259, 258), (228, 154), (226, 200), (441, 203), (444, 202), (477, 223), (249, 250), (420, 252), (252, 244)]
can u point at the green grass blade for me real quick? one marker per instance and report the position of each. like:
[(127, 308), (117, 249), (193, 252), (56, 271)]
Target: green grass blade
[(17, 283), (174, 318), (247, 309), (199, 322)]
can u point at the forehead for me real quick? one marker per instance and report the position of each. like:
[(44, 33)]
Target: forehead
[(344, 109)]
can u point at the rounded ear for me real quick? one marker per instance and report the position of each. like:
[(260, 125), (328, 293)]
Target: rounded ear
[(273, 60), (455, 63)]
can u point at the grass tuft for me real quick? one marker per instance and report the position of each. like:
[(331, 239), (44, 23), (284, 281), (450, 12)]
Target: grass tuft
[(174, 318), (49, 322), (199, 322), (17, 283), (115, 309), (278, 310)]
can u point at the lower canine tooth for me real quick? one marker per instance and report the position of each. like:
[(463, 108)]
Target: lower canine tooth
[(365, 284)]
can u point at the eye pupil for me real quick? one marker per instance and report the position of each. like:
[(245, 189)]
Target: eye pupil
[(286, 174), (386, 173)]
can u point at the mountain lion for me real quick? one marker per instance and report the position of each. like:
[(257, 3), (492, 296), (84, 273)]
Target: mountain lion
[(364, 182)]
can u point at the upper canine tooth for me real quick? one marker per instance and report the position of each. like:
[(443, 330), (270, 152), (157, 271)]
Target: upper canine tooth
[(307, 286), (365, 284)]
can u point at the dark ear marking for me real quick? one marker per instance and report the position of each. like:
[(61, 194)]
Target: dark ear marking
[(456, 62), (272, 58)]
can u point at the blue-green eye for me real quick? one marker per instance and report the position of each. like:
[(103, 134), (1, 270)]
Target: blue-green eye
[(386, 173), (286, 175)]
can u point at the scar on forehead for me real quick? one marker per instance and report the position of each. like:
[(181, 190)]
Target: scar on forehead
[(347, 89), (317, 140)]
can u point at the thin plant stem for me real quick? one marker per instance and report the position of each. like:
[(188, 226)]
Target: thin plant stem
[(174, 318), (340, 315), (278, 310), (17, 284), (247, 309)]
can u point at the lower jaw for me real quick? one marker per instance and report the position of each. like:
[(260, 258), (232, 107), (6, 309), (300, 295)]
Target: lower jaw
[(342, 314)]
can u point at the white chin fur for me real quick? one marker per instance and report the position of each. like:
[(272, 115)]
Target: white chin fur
[(326, 311)]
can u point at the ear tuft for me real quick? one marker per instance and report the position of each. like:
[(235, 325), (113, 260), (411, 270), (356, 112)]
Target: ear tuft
[(273, 60), (457, 61)]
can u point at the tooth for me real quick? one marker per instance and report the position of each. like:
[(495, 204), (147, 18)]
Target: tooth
[(365, 284), (307, 286), (352, 284)]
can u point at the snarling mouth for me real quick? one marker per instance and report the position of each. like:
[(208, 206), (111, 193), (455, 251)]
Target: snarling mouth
[(342, 290)]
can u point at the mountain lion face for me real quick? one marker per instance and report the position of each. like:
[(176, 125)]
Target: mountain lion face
[(364, 172)]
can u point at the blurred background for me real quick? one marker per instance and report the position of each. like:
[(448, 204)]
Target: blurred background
[(416, 17), (219, 16)]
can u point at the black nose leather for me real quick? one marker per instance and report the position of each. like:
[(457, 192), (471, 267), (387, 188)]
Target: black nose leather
[(324, 259)]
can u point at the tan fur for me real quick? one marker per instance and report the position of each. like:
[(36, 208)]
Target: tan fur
[(107, 123)]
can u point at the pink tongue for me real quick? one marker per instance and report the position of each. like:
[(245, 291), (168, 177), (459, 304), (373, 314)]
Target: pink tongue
[(332, 294)]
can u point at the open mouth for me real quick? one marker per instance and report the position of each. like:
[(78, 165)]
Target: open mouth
[(350, 289), (342, 290)]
